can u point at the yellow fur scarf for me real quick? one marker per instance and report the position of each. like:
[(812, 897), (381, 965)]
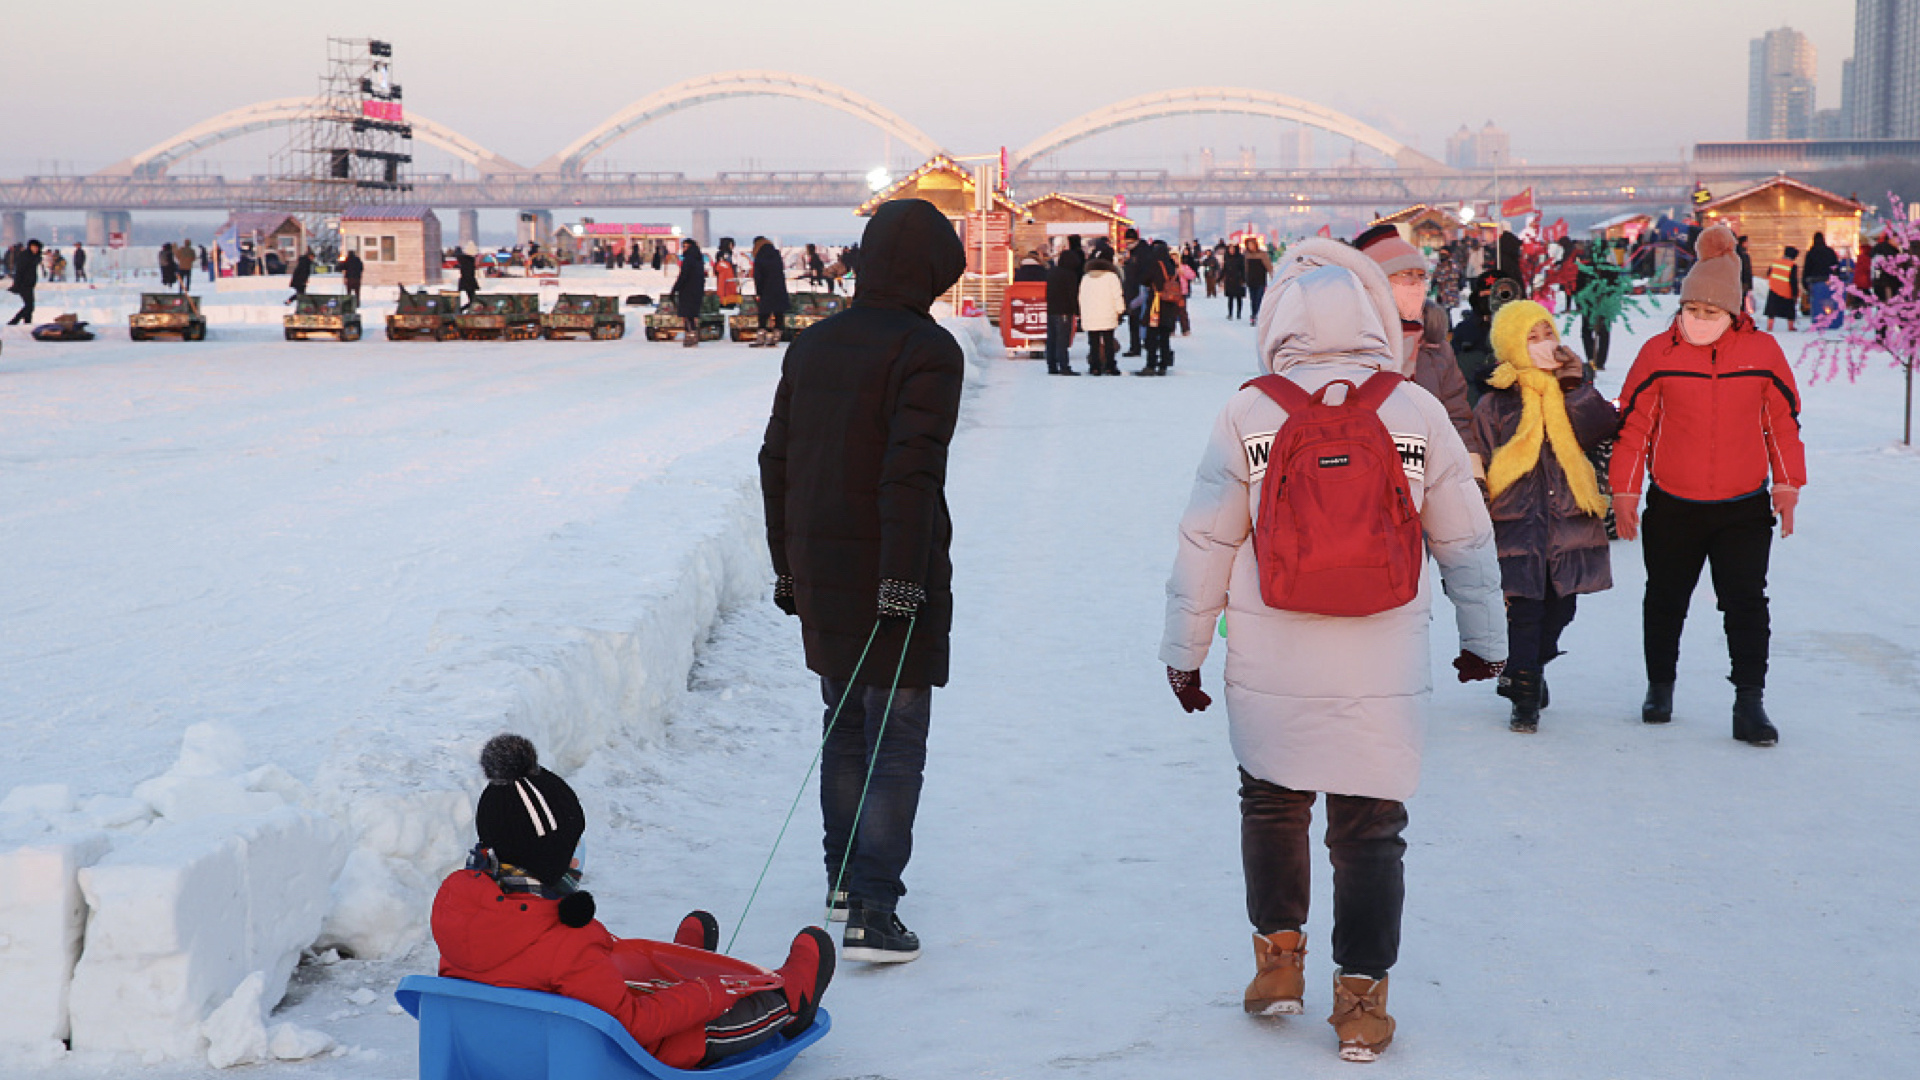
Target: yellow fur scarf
[(1543, 417)]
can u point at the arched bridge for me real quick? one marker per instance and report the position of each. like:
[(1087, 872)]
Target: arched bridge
[(154, 161), (734, 84), (1204, 100)]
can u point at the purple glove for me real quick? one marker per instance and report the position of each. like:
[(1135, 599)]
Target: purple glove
[(1474, 669), (1186, 687)]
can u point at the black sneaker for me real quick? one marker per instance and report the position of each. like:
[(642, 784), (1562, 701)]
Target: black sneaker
[(837, 905), (878, 937)]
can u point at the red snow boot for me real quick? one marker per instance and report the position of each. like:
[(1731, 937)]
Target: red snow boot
[(698, 930), (804, 977), (1279, 980)]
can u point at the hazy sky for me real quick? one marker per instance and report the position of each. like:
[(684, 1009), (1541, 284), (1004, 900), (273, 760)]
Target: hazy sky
[(92, 82)]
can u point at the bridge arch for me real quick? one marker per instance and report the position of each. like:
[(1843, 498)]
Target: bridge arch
[(1200, 100), (154, 161), (732, 84)]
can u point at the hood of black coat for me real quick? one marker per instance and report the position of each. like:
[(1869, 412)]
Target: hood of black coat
[(909, 256)]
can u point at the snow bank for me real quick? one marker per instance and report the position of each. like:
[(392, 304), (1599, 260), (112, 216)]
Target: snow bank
[(214, 876)]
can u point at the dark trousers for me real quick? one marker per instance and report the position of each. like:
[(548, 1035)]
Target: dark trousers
[(1185, 326), (753, 1020), (25, 314), (884, 841), (1160, 339), (1102, 347), (770, 320), (1735, 538), (1236, 305), (1133, 330), (1059, 335), (1595, 337), (1533, 629), (1369, 882), (1256, 294)]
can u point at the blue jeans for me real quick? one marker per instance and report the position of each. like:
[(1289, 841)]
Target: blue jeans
[(1059, 336), (884, 841)]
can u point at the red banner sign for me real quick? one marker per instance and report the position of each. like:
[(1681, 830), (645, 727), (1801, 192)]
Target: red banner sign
[(1023, 314), (382, 110)]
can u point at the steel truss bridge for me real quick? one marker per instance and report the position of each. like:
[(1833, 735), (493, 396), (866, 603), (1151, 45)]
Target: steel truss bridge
[(144, 182)]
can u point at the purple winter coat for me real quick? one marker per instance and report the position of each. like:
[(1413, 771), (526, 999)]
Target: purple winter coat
[(1541, 532)]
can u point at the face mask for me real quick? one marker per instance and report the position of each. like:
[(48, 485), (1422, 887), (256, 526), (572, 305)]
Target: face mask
[(1410, 299), (1703, 331), (1543, 355)]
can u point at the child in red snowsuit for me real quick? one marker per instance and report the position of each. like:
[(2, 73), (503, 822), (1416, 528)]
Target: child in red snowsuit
[(516, 917)]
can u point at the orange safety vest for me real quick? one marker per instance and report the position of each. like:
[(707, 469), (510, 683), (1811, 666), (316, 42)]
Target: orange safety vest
[(1780, 278)]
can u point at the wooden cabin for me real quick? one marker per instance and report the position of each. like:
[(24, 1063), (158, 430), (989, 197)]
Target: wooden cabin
[(1061, 215), (400, 245), (950, 187), (1783, 211), (264, 231), (1428, 228)]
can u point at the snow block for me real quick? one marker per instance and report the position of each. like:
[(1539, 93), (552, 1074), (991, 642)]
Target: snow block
[(42, 917), (181, 915)]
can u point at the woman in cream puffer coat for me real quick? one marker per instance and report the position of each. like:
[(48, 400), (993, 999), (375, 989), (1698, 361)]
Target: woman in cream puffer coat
[(1320, 703)]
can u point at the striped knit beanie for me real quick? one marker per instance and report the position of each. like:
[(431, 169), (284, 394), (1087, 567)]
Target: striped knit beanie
[(527, 816)]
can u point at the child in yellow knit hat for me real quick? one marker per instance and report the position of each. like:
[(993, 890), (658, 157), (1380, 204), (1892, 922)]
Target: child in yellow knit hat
[(1534, 428)]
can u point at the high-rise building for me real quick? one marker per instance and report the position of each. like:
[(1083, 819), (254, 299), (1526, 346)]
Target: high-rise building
[(1781, 71), (1886, 70), (1296, 148), (1488, 148)]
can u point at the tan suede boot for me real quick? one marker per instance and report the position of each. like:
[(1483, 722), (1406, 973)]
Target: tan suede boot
[(1280, 979), (1360, 1016)]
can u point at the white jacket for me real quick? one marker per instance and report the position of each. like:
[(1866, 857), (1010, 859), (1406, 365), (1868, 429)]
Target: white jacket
[(1316, 702), (1101, 305)]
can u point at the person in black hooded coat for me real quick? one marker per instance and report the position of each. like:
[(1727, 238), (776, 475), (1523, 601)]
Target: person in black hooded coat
[(690, 291), (853, 473)]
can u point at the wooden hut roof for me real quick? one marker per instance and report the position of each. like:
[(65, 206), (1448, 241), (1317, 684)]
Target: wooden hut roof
[(1078, 204), (1726, 201), (940, 174)]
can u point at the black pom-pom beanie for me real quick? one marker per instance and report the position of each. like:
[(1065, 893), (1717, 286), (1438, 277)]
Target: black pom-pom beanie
[(528, 816)]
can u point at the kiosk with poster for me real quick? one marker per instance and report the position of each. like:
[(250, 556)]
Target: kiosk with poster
[(1023, 318)]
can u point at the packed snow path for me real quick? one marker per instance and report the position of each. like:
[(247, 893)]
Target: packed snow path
[(1600, 900)]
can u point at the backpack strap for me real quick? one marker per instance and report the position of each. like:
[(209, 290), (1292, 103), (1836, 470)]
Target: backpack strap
[(1376, 390), (1282, 390)]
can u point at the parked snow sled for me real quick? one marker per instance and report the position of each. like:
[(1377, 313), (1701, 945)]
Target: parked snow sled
[(335, 314), (423, 315), (472, 1031), (167, 313), (63, 328), (597, 317)]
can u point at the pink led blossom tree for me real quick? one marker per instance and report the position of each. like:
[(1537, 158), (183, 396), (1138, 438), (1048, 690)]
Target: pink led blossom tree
[(1889, 324)]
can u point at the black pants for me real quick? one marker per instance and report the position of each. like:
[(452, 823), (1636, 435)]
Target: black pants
[(770, 319), (1102, 347), (1256, 294), (1595, 337), (1160, 340), (25, 314), (1735, 539), (1235, 305), (1533, 629), (753, 1020), (1369, 882), (883, 842)]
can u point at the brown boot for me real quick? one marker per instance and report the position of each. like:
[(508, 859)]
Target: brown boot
[(1360, 1016), (1280, 980)]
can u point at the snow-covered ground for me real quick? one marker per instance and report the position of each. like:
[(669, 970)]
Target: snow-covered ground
[(363, 559)]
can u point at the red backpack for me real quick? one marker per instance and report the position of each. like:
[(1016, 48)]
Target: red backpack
[(1337, 533)]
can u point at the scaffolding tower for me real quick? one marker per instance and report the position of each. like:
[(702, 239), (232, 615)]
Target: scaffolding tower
[(352, 148)]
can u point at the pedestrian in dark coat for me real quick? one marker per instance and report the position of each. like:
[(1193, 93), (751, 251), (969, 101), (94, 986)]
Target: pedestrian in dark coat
[(853, 471), (1132, 269), (769, 290), (469, 274), (1063, 305), (302, 273), (26, 275), (1233, 279), (690, 291), (1534, 428), (169, 271), (1258, 264), (352, 269)]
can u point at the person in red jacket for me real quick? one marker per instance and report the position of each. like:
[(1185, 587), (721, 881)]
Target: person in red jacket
[(1709, 411), (516, 917)]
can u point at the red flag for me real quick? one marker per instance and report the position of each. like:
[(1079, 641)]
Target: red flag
[(1519, 204), (1557, 231), (1326, 232)]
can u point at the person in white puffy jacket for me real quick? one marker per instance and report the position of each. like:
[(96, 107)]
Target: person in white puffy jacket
[(1320, 703), (1101, 308)]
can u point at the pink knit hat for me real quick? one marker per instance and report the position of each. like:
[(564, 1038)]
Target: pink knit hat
[(1715, 279), (1394, 254)]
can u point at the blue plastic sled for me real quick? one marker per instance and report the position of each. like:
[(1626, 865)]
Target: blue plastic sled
[(472, 1031)]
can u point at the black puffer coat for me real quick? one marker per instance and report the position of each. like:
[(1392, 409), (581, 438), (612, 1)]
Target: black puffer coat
[(1063, 281), (854, 465), (769, 280), (690, 288), (1541, 532)]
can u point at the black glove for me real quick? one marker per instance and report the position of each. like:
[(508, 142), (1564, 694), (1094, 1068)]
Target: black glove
[(1186, 687), (783, 594), (1474, 669), (900, 599)]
